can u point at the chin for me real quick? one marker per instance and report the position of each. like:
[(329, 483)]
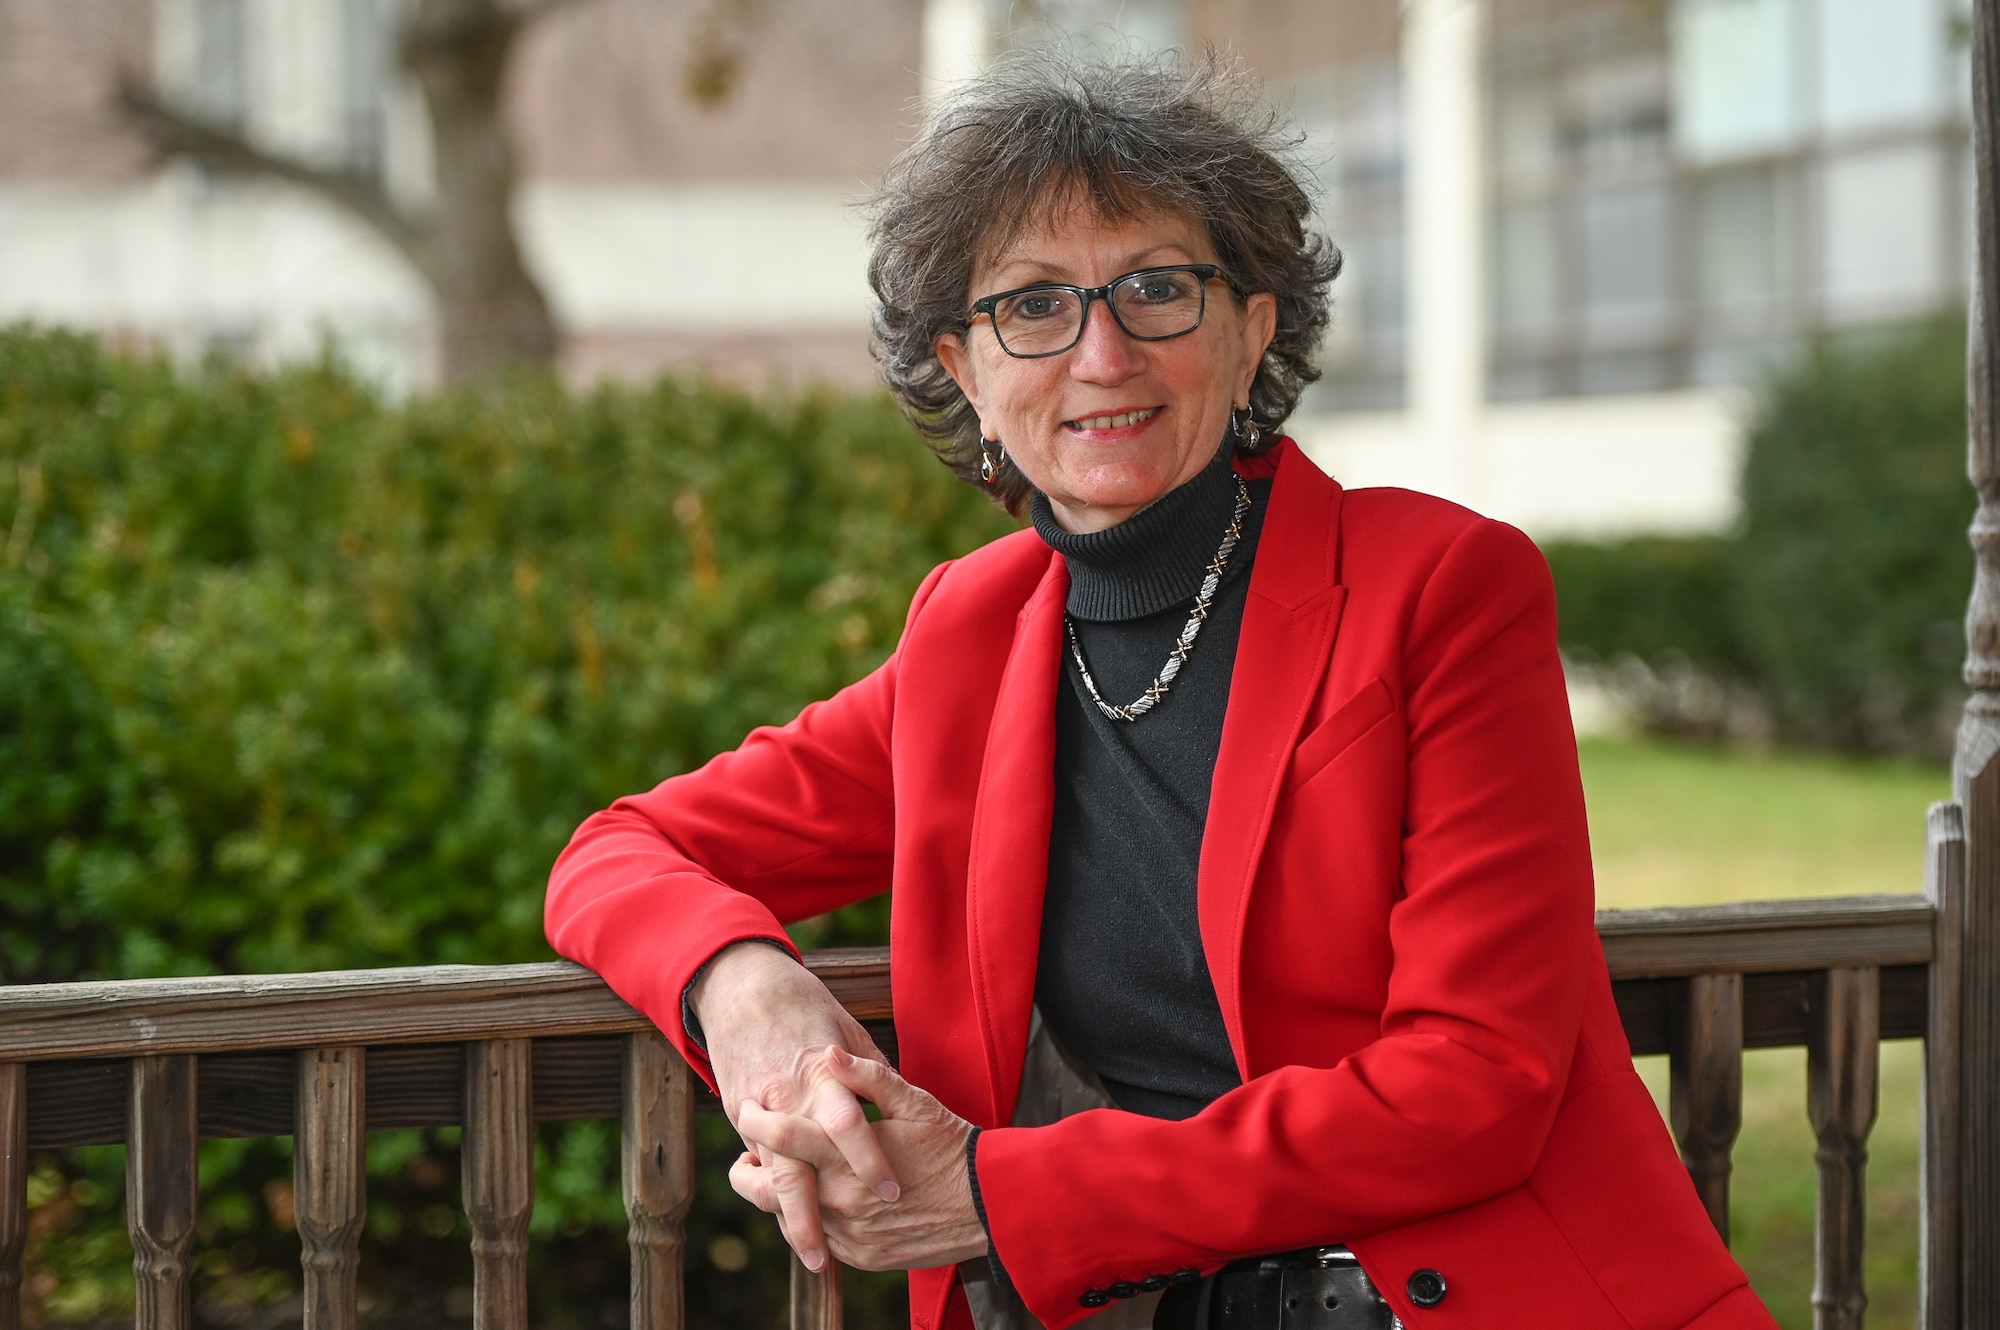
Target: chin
[(1118, 504)]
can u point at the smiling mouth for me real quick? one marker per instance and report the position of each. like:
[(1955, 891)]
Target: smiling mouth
[(1119, 421)]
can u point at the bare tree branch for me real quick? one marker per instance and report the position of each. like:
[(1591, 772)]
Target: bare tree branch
[(458, 23), (177, 133)]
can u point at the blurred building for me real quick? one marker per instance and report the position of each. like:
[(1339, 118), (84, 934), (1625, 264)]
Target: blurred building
[(666, 232), (1575, 228)]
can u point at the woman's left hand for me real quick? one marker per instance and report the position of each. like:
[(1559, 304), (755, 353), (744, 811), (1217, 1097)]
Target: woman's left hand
[(932, 1222)]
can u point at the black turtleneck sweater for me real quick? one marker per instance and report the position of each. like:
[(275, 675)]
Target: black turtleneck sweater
[(1122, 979)]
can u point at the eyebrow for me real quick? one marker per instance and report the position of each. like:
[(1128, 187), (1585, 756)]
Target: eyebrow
[(1037, 271)]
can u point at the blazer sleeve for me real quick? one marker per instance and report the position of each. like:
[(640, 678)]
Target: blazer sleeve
[(1492, 941), (798, 820)]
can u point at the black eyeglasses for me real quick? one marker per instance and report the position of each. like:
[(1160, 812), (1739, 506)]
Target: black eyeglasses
[(1047, 319)]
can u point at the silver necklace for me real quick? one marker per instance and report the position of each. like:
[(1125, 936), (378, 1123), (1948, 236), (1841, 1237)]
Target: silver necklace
[(1184, 646)]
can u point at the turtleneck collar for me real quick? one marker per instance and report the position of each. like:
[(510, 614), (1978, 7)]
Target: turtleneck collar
[(1155, 558)]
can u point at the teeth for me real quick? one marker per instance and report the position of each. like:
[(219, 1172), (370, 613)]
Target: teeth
[(1115, 422)]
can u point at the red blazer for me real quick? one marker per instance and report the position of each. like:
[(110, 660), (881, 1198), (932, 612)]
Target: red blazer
[(1395, 900)]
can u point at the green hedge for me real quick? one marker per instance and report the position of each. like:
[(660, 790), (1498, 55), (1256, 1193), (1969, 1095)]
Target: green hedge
[(294, 678), (1839, 602), (1853, 567), (1646, 596)]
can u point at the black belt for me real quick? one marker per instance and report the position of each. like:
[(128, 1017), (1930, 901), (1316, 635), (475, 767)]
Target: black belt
[(1318, 1288)]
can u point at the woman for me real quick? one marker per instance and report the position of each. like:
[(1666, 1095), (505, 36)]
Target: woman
[(1241, 918)]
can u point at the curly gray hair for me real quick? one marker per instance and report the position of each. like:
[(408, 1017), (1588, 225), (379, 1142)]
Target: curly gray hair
[(1038, 134)]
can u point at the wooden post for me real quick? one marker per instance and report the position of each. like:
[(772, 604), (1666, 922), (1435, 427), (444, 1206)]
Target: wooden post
[(657, 1174), (816, 1298), (499, 1173), (1846, 1031), (13, 1189), (1706, 1102), (160, 1188), (1937, 1254), (1975, 774), (329, 1182)]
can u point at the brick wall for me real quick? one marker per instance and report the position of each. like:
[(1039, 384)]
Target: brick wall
[(826, 92), (59, 65), (1280, 37)]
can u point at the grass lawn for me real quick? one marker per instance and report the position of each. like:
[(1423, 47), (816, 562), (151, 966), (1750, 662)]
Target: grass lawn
[(1674, 825)]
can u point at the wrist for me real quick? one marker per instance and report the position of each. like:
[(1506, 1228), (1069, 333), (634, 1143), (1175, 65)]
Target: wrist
[(732, 978), (985, 1234)]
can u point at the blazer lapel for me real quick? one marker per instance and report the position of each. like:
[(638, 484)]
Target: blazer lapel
[(1007, 876), (1288, 629)]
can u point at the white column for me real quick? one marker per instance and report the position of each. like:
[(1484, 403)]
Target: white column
[(958, 42), (1445, 219)]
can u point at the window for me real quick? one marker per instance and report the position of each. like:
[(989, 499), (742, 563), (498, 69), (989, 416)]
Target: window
[(1144, 25), (1353, 121), (1745, 276), (1736, 84), (367, 31), (1879, 62), (1882, 256), (217, 74)]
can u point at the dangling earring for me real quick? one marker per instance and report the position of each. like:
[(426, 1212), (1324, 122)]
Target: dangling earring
[(1246, 430), (989, 470)]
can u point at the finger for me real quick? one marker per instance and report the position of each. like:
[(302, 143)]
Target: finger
[(862, 1045), (839, 1115), (796, 1188), (756, 1184), (752, 1181), (780, 1191), (789, 1134), (875, 1082)]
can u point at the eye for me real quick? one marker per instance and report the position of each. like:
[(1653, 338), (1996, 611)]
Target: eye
[(1033, 305), (1163, 287)]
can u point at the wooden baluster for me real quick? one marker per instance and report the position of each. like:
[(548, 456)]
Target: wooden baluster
[(1707, 1086), (160, 1187), (499, 1171), (1840, 1099), (329, 1182), (1975, 772), (816, 1297), (1937, 1256), (13, 1189), (657, 1174)]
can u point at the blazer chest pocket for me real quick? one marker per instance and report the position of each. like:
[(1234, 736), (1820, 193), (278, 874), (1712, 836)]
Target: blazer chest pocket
[(1337, 733)]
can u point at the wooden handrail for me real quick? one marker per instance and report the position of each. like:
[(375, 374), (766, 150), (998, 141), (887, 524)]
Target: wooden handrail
[(1760, 936), (439, 1003), (409, 1005)]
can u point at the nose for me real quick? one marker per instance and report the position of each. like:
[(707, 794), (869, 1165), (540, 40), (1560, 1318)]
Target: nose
[(1104, 354)]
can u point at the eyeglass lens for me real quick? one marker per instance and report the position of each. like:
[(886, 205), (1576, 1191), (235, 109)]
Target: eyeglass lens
[(1152, 305)]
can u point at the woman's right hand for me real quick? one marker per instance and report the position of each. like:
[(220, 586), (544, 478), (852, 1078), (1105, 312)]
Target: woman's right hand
[(768, 1022)]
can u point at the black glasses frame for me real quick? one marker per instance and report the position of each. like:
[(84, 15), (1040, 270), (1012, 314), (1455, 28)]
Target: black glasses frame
[(986, 305)]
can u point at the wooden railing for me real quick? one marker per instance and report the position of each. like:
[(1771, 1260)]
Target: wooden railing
[(162, 1064)]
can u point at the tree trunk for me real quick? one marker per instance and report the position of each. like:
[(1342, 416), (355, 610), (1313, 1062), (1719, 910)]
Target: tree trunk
[(491, 312)]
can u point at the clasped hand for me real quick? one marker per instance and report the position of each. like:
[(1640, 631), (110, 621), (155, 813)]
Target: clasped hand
[(887, 1195)]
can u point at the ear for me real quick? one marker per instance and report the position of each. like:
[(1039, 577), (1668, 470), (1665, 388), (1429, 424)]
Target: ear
[(1260, 325), (957, 359)]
